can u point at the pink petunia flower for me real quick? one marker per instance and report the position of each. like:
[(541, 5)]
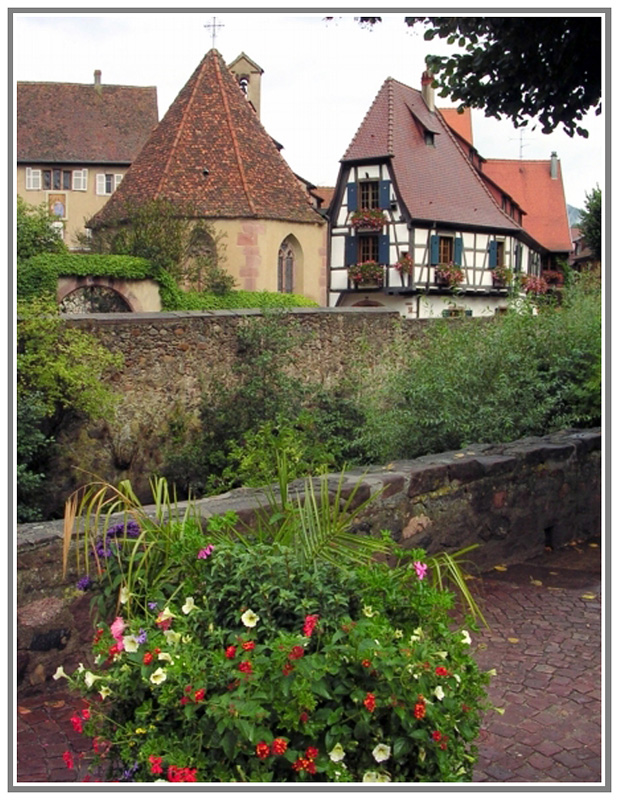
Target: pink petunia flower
[(420, 569), (117, 627)]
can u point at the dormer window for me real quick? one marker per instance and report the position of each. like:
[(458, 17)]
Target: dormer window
[(428, 137)]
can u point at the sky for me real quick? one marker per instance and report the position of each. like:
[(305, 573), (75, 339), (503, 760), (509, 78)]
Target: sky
[(319, 80)]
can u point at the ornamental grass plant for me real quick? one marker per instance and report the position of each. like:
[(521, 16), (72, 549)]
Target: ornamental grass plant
[(287, 654)]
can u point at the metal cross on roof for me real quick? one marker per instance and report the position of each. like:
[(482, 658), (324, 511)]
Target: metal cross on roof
[(214, 25)]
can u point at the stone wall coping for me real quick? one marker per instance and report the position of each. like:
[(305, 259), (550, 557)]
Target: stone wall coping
[(162, 316), (424, 474)]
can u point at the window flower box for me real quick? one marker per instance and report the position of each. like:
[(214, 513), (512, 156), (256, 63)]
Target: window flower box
[(404, 265), (366, 274), (368, 219), (501, 277), (553, 277), (531, 284), (448, 275)]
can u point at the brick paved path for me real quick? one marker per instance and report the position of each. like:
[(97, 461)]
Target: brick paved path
[(544, 642)]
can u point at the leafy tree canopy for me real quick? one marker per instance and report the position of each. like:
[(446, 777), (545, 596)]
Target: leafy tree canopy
[(35, 233), (591, 222), (543, 68)]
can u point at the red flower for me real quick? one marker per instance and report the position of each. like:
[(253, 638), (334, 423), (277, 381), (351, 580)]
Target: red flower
[(443, 745), (248, 645), (310, 624), (310, 767), (279, 746), (311, 752), (296, 652), (68, 759), (76, 721), (155, 765), (304, 717), (419, 710), (366, 662), (465, 708), (300, 763), (231, 651), (263, 750), (245, 666), (287, 668), (436, 735), (441, 671), (148, 657), (199, 695), (184, 701), (181, 774), (85, 713), (97, 635), (113, 650), (370, 702), (233, 685)]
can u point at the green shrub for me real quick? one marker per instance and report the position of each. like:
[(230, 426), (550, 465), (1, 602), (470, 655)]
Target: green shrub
[(33, 451), (245, 660), (34, 232)]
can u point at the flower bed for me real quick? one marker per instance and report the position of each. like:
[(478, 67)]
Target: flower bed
[(249, 661)]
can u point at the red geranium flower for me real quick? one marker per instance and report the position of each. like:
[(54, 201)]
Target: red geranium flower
[(184, 701), (436, 735), (303, 717), (287, 668), (231, 651), (148, 657), (155, 765), (296, 652), (76, 721), (248, 645), (370, 702), (419, 710), (68, 759), (263, 750), (199, 695), (310, 767), (245, 666), (310, 624), (441, 671), (311, 752), (300, 763), (279, 746), (366, 662)]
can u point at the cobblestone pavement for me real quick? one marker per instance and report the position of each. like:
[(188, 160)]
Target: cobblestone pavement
[(544, 642)]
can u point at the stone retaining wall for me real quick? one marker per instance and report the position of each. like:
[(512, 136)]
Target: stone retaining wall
[(510, 499)]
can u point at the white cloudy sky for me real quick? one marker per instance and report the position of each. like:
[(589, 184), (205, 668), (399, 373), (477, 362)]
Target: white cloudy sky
[(319, 78)]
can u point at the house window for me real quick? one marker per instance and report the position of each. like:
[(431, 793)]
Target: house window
[(285, 268), (80, 180), (108, 182), (445, 249), (428, 138), (33, 179), (500, 253), (369, 194), (368, 248), (58, 229)]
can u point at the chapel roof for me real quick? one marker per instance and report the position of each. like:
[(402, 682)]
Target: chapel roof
[(531, 184), (436, 182), (83, 123), (211, 151)]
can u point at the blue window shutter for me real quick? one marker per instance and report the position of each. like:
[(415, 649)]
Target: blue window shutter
[(433, 249), (383, 248), (492, 257), (352, 196), (350, 250), (384, 193), (458, 251), (518, 257)]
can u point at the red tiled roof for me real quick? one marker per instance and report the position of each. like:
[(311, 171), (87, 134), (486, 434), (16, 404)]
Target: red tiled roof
[(211, 151), (437, 183), (459, 121), (326, 194), (83, 123), (540, 195)]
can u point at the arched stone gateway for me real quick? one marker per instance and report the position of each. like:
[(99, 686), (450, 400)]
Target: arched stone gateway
[(93, 300), (92, 295)]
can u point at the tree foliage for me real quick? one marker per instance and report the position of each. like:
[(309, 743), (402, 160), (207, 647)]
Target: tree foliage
[(35, 233), (543, 68), (591, 222)]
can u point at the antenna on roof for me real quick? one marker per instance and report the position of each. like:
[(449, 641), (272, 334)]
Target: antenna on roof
[(520, 137), (214, 25)]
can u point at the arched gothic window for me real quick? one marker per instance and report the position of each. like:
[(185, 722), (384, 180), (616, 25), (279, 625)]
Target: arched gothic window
[(285, 268)]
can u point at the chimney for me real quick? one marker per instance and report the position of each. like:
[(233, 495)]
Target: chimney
[(554, 166), (427, 91), (97, 77)]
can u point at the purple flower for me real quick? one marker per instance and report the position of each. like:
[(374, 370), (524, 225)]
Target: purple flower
[(420, 569), (152, 605), (129, 773), (84, 583), (141, 637), (206, 551)]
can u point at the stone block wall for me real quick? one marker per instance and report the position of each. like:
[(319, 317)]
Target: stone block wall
[(511, 500)]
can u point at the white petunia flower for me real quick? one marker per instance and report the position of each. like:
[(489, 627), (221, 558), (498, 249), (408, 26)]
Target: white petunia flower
[(249, 619), (398, 634), (130, 643), (186, 639), (60, 673), (370, 777), (367, 611), (383, 778), (104, 691), (89, 679), (125, 594), (458, 678), (159, 675), (381, 752), (189, 605), (439, 693), (337, 754), (491, 672), (165, 657), (466, 637), (172, 637), (80, 668), (165, 614)]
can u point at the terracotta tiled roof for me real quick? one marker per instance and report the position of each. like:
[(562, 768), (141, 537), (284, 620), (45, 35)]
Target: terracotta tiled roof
[(83, 123), (326, 194), (540, 195), (460, 122), (437, 183), (211, 151)]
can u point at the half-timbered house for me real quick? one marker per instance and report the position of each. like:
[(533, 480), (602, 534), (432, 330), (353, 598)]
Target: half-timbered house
[(415, 224)]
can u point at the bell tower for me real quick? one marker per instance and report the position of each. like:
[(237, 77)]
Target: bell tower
[(248, 74)]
